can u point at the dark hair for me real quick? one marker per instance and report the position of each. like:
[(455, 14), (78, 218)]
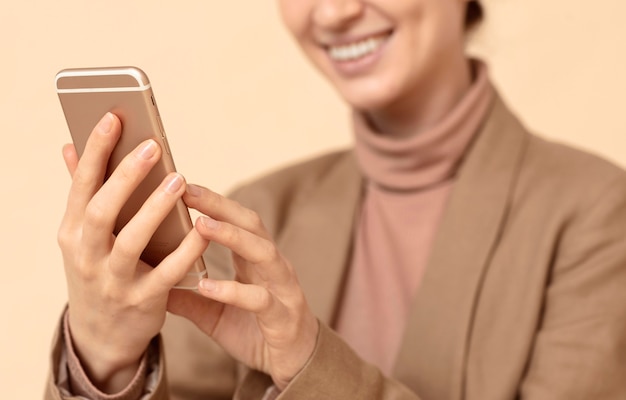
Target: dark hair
[(474, 14)]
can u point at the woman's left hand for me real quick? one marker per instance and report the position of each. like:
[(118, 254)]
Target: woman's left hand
[(262, 317)]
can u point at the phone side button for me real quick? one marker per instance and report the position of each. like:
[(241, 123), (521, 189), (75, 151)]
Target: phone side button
[(166, 145), (161, 125)]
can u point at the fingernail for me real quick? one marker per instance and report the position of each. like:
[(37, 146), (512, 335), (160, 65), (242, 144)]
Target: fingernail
[(174, 183), (147, 150), (207, 285), (209, 222), (105, 124), (194, 190)]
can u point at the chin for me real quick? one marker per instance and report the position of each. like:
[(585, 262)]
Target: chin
[(370, 97), (368, 104)]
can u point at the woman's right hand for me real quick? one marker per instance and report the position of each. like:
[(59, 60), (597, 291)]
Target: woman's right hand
[(117, 303)]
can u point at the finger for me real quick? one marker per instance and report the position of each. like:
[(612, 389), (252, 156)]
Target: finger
[(252, 248), (175, 266), (91, 168), (262, 253), (103, 209), (253, 298), (70, 157), (224, 209), (133, 238), (249, 297)]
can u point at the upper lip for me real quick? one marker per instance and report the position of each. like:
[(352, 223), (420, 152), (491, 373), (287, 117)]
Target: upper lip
[(342, 40)]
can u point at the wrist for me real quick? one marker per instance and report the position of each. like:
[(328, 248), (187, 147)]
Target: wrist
[(306, 347), (109, 370)]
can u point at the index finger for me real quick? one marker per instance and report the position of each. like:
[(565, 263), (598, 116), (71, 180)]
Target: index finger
[(224, 209), (90, 171), (261, 254)]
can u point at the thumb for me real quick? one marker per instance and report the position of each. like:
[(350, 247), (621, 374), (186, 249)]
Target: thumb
[(203, 312)]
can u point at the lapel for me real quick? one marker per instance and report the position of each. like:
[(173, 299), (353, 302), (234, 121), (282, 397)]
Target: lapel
[(433, 355), (317, 239)]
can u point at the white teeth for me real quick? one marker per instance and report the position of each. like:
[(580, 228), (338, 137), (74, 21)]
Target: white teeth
[(356, 50)]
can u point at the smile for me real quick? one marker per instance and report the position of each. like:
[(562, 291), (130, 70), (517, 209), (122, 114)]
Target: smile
[(356, 50)]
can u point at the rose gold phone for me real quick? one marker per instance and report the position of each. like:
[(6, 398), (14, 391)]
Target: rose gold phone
[(86, 95)]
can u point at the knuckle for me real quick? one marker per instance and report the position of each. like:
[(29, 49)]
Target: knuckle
[(168, 276), (80, 179), (255, 224), (231, 236), (126, 171), (95, 214), (84, 269), (123, 249), (132, 298), (262, 299), (255, 219), (298, 301), (269, 252), (112, 294), (131, 170), (213, 200), (64, 237)]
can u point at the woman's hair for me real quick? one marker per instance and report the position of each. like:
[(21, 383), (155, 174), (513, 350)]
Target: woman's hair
[(473, 15)]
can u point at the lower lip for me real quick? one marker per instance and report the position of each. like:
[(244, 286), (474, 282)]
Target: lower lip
[(360, 65)]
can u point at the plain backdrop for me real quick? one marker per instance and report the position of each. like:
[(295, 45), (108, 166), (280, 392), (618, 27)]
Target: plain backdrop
[(238, 99)]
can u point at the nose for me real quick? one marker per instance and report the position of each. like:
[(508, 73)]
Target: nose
[(337, 14)]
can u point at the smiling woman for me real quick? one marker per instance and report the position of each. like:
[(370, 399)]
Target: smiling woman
[(450, 254), (389, 58)]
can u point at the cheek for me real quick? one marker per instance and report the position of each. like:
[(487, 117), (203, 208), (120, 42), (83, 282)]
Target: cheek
[(429, 43), (297, 17), (294, 16), (432, 24)]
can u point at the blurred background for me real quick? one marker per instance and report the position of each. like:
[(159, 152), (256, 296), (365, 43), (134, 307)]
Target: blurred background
[(237, 100)]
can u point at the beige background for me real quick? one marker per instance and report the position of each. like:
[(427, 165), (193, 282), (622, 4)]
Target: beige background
[(237, 99)]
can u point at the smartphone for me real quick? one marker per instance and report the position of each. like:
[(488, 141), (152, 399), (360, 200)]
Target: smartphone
[(86, 94)]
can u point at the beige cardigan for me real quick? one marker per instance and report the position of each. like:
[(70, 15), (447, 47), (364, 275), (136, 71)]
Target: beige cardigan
[(524, 295)]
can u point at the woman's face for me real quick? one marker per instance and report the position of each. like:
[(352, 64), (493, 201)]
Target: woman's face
[(378, 53)]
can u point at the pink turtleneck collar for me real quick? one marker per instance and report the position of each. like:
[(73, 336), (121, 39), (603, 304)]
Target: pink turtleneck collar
[(431, 156), (409, 181)]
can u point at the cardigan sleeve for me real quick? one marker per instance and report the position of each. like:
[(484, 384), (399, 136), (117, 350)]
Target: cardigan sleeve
[(580, 347), (68, 380), (79, 382), (334, 371)]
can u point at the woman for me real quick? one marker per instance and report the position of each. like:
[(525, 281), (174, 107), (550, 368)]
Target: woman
[(450, 255)]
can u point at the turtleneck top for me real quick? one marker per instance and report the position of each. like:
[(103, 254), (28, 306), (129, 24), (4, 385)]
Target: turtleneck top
[(408, 181)]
